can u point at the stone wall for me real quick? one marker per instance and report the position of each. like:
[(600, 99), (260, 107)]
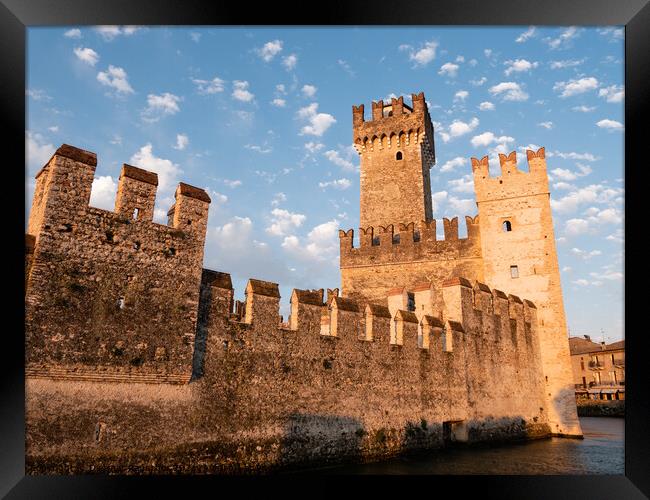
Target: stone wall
[(522, 199), (407, 255), (268, 395), (111, 294)]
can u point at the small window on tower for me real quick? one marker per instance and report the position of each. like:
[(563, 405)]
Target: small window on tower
[(514, 272), (507, 226), (136, 212), (411, 301), (398, 156)]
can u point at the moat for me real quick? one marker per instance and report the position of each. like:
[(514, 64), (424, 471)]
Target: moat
[(600, 452)]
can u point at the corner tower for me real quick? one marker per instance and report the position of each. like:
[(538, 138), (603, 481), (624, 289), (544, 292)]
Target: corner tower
[(519, 255), (397, 150)]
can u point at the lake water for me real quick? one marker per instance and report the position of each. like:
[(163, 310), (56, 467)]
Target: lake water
[(600, 452)]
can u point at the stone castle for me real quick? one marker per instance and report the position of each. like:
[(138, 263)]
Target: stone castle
[(138, 360)]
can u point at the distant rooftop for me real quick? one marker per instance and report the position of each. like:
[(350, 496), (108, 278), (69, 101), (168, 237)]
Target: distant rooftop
[(584, 345)]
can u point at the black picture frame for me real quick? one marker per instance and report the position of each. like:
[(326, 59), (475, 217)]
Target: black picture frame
[(17, 15)]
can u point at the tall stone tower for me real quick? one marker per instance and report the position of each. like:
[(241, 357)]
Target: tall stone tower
[(397, 151), (519, 255)]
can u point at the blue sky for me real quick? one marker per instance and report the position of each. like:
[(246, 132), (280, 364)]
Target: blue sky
[(261, 118)]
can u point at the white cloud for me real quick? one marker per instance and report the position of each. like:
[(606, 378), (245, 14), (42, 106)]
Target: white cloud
[(573, 227), (167, 171), (459, 128), (321, 243), (318, 122), (278, 198), (463, 185), (290, 61), (574, 87), (309, 90), (259, 149), (592, 194), (181, 141), (449, 69), (564, 174), (340, 184), (519, 66), (529, 33), (86, 55), (103, 191), (546, 125), (314, 147), (509, 91), (115, 78), (38, 95), (159, 106), (270, 50), (450, 165), (479, 82), (487, 53), (564, 39), (452, 205), (565, 186), (284, 222), (613, 93), (573, 156), (568, 63), (610, 125), (345, 161), (195, 36), (241, 92), (486, 106), (279, 103), (424, 55), (109, 33), (487, 138), (37, 152), (73, 33), (461, 95), (614, 34), (54, 128), (232, 184), (346, 67), (583, 108), (209, 86), (583, 254)]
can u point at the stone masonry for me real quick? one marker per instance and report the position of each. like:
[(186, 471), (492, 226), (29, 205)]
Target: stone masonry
[(138, 360)]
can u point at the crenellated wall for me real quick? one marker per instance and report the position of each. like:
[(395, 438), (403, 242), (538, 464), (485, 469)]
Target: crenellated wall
[(267, 395), (407, 255), (111, 294)]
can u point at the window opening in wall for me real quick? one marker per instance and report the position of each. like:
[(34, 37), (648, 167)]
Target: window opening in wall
[(136, 212), (189, 222), (514, 272), (416, 235), (109, 236), (410, 304), (396, 238), (172, 251), (137, 245), (120, 302), (375, 240), (398, 156), (507, 226)]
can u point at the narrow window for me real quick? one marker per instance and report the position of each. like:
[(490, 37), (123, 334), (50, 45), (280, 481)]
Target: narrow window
[(172, 251), (398, 156), (410, 301), (120, 302), (136, 245), (136, 212), (514, 272), (507, 227), (109, 236)]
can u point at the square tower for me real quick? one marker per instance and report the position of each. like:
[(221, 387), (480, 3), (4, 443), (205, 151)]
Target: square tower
[(397, 150), (519, 255)]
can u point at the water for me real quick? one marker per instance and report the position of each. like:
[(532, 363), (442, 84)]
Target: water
[(600, 452)]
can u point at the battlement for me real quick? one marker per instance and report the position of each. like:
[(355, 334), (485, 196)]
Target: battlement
[(127, 287), (394, 125), (408, 242), (512, 182), (467, 308)]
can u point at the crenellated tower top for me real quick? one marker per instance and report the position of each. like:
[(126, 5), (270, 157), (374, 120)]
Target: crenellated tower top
[(397, 150)]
